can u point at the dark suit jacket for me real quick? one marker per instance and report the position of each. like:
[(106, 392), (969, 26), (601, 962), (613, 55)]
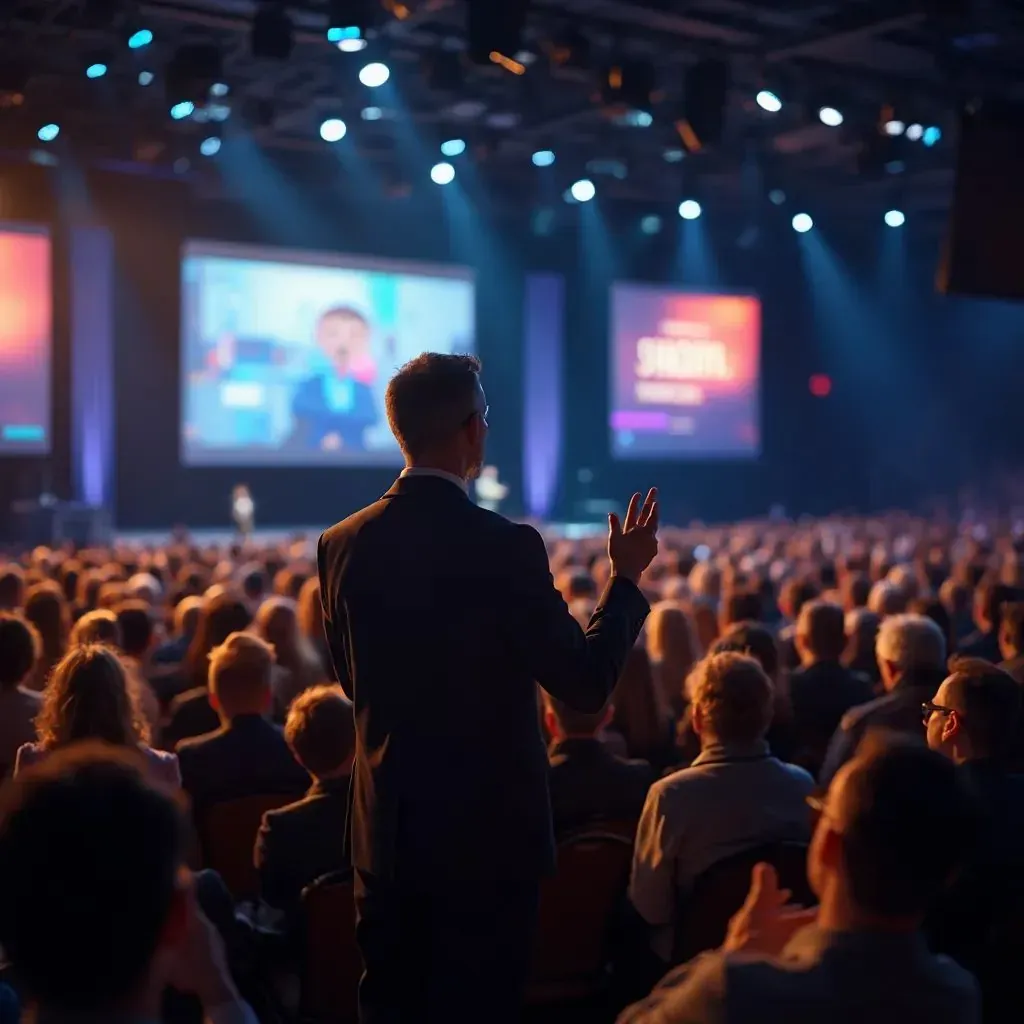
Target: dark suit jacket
[(190, 714), (315, 419), (982, 645), (299, 843), (249, 757), (441, 618), (589, 784)]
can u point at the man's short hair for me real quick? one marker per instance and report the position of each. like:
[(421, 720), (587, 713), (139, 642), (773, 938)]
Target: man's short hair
[(348, 312), (96, 627), (136, 623), (430, 398), (821, 628), (991, 595), (990, 701), (753, 639), (911, 642), (12, 587), (240, 670), (742, 605), (735, 696), (20, 647), (1012, 625), (906, 823), (321, 729), (89, 860)]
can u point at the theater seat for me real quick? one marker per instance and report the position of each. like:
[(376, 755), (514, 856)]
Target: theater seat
[(703, 915), (227, 835), (333, 966), (578, 907)]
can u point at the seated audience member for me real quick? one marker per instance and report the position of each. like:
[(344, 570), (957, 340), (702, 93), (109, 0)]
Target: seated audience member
[(1011, 640), (733, 797), (98, 913), (741, 605), (96, 627), (822, 690), (311, 624), (191, 713), (793, 595), (856, 588), (145, 587), (19, 706), (672, 649), (138, 637), (299, 843), (989, 598), (588, 783), (887, 599), (641, 724), (255, 583), (861, 627), (911, 652), (89, 697), (247, 755), (12, 588), (47, 610), (895, 825), (955, 596), (186, 618), (932, 608), (296, 665)]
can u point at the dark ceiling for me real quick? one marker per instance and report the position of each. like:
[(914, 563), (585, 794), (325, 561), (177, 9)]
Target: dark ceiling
[(924, 58)]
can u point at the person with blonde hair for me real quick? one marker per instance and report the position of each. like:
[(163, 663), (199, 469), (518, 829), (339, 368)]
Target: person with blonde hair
[(89, 697), (673, 649), (296, 665)]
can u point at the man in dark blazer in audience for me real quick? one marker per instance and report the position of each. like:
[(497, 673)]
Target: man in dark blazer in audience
[(442, 617), (247, 755), (299, 843), (588, 783)]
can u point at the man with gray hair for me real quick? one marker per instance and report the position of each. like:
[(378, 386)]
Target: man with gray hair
[(911, 653)]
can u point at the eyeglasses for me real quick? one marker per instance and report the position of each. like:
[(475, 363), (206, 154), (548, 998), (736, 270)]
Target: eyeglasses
[(929, 707)]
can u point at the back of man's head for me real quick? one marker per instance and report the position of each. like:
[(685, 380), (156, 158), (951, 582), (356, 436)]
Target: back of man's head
[(90, 855), (239, 674), (741, 605), (430, 399), (135, 621), (754, 639), (20, 648), (12, 587), (96, 627), (821, 631), (989, 598), (1011, 630), (904, 822), (910, 643), (321, 731), (732, 699), (988, 704)]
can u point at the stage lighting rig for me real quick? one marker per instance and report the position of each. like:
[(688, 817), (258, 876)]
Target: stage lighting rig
[(350, 22)]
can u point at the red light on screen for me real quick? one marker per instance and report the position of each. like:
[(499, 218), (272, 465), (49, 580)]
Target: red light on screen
[(820, 385)]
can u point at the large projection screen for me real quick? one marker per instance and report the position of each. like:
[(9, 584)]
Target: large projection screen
[(285, 355), (26, 317), (684, 374)]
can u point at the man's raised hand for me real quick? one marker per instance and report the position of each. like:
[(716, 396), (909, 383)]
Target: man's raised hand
[(632, 545)]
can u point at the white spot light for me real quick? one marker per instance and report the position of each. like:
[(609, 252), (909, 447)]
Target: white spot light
[(830, 116), (442, 174), (689, 209), (802, 222), (583, 190), (895, 218), (333, 130), (374, 75), (767, 100)]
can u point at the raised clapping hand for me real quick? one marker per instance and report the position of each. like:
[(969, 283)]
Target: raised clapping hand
[(632, 547), (767, 920)]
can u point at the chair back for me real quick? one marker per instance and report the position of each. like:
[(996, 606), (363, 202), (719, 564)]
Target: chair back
[(703, 916), (227, 835), (332, 964), (577, 912)]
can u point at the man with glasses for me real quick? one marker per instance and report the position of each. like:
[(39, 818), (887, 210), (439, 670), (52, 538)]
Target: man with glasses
[(895, 824), (442, 618)]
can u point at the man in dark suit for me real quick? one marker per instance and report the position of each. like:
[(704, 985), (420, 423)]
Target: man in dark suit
[(442, 617), (299, 843), (247, 755), (588, 783), (989, 598)]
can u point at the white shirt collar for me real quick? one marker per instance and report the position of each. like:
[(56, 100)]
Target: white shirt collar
[(443, 474)]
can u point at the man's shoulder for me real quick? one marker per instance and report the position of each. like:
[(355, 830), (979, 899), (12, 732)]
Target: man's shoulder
[(864, 714), (198, 746)]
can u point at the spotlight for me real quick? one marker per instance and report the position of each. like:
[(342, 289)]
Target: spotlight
[(333, 130), (442, 174), (146, 77), (651, 224), (210, 146), (689, 209), (97, 70), (894, 127), (543, 158), (272, 36), (777, 197), (453, 147), (374, 74), (932, 135), (219, 90), (830, 116), (351, 45), (915, 132), (182, 110), (371, 113), (349, 21), (767, 100), (802, 222), (895, 218), (140, 38), (583, 190), (48, 132)]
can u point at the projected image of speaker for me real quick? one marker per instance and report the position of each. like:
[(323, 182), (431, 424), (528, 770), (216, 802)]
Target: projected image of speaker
[(982, 249)]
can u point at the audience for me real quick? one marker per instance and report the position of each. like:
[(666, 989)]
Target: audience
[(20, 649), (247, 755), (861, 627), (186, 619), (911, 653), (1011, 640), (672, 649), (89, 697), (12, 588), (96, 627), (734, 796), (989, 598), (302, 841), (896, 823), (296, 664), (47, 610)]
